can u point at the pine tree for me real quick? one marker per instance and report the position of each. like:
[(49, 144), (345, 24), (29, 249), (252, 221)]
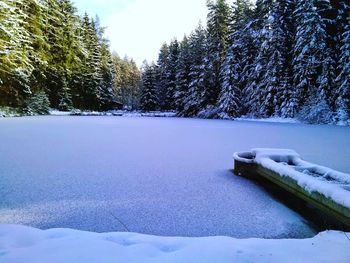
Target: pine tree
[(229, 103), (36, 17), (229, 99), (37, 104), (255, 71), (15, 64), (171, 72), (193, 100), (343, 79), (148, 101), (92, 75), (277, 93), (126, 82), (310, 47), (217, 42), (317, 110), (162, 76), (182, 75), (65, 48), (107, 95)]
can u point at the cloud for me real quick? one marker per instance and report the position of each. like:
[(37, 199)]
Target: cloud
[(140, 28)]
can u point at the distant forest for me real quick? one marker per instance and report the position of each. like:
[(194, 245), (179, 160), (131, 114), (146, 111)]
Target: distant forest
[(277, 58), (274, 58), (51, 57)]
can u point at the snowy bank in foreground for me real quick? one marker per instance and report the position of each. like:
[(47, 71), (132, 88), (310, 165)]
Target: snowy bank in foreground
[(23, 244)]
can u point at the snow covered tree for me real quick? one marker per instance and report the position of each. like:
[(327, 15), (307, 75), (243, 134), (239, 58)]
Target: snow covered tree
[(182, 75), (171, 72), (15, 53), (316, 110), (37, 104), (255, 71), (36, 17), (148, 100), (166, 68), (126, 82), (229, 102), (343, 79), (230, 95), (62, 24), (276, 90), (309, 51), (162, 72), (197, 47), (97, 73), (217, 42), (107, 95)]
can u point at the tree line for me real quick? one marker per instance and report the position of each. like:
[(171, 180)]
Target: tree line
[(52, 57), (285, 58)]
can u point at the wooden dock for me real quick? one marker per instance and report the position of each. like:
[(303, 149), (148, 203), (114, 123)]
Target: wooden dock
[(285, 175)]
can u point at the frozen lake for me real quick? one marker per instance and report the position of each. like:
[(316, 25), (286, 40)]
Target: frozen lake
[(154, 176)]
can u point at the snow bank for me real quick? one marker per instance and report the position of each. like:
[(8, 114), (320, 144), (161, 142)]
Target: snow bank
[(313, 178), (272, 119), (113, 113), (24, 244), (59, 113)]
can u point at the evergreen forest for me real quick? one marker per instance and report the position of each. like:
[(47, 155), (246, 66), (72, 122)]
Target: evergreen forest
[(276, 58), (273, 58)]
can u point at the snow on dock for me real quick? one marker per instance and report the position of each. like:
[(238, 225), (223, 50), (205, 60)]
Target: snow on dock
[(326, 188)]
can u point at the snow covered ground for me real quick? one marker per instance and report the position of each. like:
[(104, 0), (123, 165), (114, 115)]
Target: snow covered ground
[(28, 245), (154, 176), (113, 113), (272, 119)]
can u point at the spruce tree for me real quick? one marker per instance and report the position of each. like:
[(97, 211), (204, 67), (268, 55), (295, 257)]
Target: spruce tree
[(255, 71), (15, 54), (309, 55), (107, 95), (277, 93), (91, 80), (148, 100), (65, 46), (162, 76), (193, 102), (126, 82), (171, 72), (182, 75), (36, 17), (229, 103), (343, 79), (217, 42)]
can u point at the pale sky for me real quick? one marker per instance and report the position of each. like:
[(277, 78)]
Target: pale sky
[(138, 28)]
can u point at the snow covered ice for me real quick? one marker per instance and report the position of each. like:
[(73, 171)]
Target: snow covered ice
[(169, 177)]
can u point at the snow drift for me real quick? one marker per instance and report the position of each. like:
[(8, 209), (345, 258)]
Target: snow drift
[(22, 244)]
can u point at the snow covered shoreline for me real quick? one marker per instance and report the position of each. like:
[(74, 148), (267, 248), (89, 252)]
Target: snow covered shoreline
[(113, 113), (122, 113), (25, 244)]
